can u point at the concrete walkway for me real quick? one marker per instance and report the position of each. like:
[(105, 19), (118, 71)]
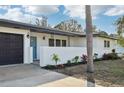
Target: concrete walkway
[(26, 76), (33, 76), (65, 82)]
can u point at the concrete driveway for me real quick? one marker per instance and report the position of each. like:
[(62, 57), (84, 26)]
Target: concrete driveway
[(26, 76)]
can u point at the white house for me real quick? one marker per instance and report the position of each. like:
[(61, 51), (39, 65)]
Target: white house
[(16, 40)]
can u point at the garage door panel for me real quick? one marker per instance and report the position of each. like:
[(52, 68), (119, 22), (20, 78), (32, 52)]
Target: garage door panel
[(11, 49)]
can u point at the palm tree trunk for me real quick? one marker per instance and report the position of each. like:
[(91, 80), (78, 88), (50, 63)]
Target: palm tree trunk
[(89, 36)]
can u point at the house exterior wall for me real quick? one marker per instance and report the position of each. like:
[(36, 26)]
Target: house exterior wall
[(70, 41), (99, 48), (98, 42), (26, 41), (77, 42), (42, 42), (64, 53), (98, 45)]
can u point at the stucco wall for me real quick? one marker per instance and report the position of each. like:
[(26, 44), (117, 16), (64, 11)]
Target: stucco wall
[(98, 45), (41, 42), (71, 41), (98, 42), (64, 53), (25, 39), (77, 42)]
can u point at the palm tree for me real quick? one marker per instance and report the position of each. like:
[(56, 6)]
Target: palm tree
[(89, 35)]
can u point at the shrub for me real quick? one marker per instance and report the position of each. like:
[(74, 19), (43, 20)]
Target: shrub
[(69, 62), (55, 58), (95, 56), (75, 59), (110, 56), (113, 50), (50, 67), (84, 58)]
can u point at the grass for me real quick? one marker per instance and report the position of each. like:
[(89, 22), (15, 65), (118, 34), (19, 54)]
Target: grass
[(107, 73)]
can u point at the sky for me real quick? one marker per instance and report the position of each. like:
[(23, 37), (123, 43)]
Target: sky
[(103, 15)]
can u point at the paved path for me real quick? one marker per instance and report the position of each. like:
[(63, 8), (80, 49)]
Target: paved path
[(26, 76), (65, 82), (33, 76)]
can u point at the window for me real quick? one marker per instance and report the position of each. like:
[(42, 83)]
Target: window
[(58, 43), (63, 43), (51, 42), (106, 43)]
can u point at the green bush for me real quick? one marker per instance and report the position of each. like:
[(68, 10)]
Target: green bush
[(110, 56), (75, 59), (95, 56), (69, 62), (50, 67), (55, 58)]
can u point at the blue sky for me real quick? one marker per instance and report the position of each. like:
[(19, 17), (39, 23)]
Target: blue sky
[(103, 16)]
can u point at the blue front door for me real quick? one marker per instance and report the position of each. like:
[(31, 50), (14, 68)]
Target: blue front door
[(33, 44)]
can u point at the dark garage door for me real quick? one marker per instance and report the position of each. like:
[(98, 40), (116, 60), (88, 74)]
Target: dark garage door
[(11, 49)]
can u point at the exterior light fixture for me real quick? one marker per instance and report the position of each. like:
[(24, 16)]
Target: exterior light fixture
[(28, 35), (43, 37)]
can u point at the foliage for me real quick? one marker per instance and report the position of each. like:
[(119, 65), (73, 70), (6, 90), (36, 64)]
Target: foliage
[(69, 25), (50, 67), (113, 50), (121, 41), (42, 22), (120, 29), (84, 58), (120, 25), (69, 62), (55, 58), (110, 56), (103, 33), (95, 55), (75, 59)]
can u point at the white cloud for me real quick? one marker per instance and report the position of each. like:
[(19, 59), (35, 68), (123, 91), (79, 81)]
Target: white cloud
[(17, 15), (115, 11), (44, 9), (75, 11), (79, 11), (14, 14), (27, 13)]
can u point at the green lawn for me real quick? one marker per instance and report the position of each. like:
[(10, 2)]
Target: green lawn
[(107, 73)]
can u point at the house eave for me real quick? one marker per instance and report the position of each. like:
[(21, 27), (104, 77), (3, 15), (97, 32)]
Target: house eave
[(34, 28), (103, 36)]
